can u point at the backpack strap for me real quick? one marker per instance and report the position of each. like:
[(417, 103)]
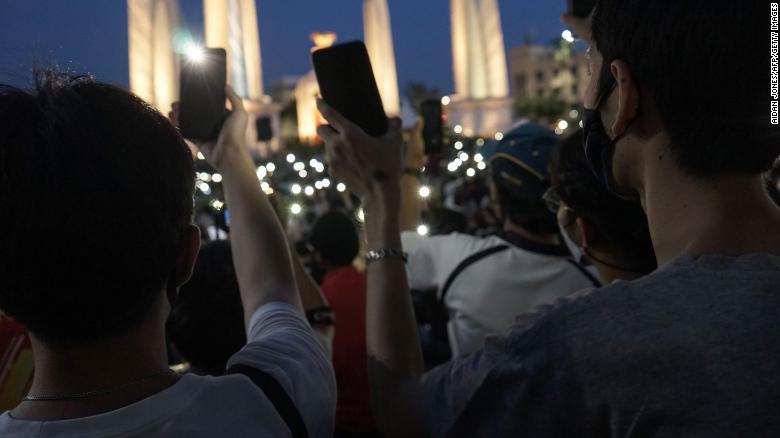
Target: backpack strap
[(474, 258), (595, 281), (277, 395)]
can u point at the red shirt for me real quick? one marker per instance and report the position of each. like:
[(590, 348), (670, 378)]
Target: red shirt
[(345, 289), (16, 363)]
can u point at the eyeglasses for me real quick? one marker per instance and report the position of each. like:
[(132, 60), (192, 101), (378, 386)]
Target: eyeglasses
[(553, 201)]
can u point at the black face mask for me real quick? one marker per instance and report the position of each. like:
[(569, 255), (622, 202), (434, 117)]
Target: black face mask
[(600, 149)]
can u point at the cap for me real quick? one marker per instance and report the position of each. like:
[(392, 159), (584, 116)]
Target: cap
[(520, 160)]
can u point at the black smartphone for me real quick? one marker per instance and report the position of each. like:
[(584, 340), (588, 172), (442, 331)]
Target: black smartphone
[(202, 100), (581, 8), (348, 85)]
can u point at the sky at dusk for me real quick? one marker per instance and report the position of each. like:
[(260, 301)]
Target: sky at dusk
[(91, 35)]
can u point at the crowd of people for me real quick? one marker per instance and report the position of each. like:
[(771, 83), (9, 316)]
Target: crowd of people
[(619, 281)]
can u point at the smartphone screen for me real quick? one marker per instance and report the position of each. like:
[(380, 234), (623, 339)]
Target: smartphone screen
[(348, 85), (202, 98)]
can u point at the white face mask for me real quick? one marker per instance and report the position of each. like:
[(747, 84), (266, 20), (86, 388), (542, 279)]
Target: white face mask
[(574, 249)]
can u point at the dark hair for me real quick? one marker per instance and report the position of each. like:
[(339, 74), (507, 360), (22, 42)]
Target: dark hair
[(207, 320), (704, 64), (96, 188), (335, 237), (620, 225), (528, 212)]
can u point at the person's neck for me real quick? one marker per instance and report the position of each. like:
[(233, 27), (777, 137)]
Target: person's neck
[(547, 239), (610, 274), (101, 366), (729, 215)]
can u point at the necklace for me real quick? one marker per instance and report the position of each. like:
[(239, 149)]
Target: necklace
[(97, 392)]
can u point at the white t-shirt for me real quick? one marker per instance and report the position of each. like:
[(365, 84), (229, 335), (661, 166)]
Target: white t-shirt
[(280, 342), (487, 296)]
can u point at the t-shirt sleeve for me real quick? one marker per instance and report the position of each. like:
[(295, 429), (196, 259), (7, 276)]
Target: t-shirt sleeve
[(421, 266), (281, 343)]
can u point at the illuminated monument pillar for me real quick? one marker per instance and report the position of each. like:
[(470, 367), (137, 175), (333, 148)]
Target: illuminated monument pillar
[(154, 73), (481, 103), (232, 24), (379, 41)]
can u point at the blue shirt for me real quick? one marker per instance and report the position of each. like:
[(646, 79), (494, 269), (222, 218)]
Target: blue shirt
[(690, 350)]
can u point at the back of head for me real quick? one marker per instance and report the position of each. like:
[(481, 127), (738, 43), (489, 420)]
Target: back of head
[(97, 190), (620, 226), (705, 65), (519, 172), (207, 321), (335, 238)]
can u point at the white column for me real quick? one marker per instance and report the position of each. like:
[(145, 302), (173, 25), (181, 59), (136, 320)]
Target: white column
[(232, 25), (495, 52), (154, 73), (379, 42)]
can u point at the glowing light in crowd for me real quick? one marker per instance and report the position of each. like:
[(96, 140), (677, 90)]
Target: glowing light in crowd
[(320, 168), (563, 125), (480, 142), (499, 136), (217, 178), (270, 167), (299, 166), (457, 129), (261, 173), (204, 188), (457, 162), (217, 204), (313, 163), (265, 186), (470, 172), (341, 187), (195, 53), (425, 191), (270, 191), (568, 36), (309, 190), (478, 158), (296, 209), (463, 156), (481, 165), (290, 158), (203, 176), (303, 174), (422, 230), (201, 156), (296, 189), (574, 114), (445, 100), (326, 183), (582, 124), (361, 215), (318, 185), (458, 145), (452, 167)]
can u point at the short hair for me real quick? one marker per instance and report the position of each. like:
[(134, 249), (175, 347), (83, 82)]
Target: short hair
[(206, 324), (96, 188), (335, 237), (620, 225), (705, 66), (524, 210)]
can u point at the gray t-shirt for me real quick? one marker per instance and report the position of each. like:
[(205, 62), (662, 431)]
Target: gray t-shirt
[(691, 350)]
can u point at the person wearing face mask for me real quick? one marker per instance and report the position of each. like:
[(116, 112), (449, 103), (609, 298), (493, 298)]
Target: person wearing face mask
[(679, 121), (484, 282), (599, 229)]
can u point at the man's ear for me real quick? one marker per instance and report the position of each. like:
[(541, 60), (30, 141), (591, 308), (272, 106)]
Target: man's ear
[(189, 246), (628, 97)]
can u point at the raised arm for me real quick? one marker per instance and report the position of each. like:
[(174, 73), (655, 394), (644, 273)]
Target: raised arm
[(260, 252), (414, 161), (372, 168)]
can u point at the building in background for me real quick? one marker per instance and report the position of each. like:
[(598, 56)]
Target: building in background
[(378, 35), (544, 71), (154, 67), (481, 105)]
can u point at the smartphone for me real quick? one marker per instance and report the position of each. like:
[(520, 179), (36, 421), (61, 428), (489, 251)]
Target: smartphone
[(348, 85), (202, 98), (581, 8)]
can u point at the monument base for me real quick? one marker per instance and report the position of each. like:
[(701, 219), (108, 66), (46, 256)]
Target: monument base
[(264, 108), (481, 117)]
